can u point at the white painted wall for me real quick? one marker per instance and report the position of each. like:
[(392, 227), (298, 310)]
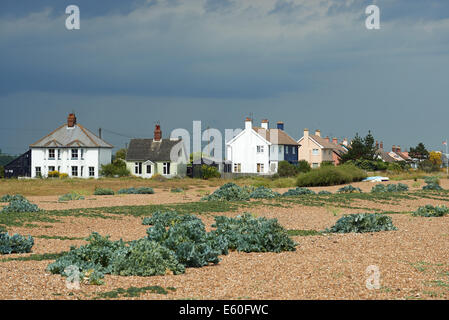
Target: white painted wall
[(243, 149), (92, 157)]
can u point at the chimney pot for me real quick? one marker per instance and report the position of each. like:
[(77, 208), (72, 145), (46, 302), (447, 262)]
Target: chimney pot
[(280, 125), (382, 145), (335, 140), (318, 133), (264, 124), (328, 139)]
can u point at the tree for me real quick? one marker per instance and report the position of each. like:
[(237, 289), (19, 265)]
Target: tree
[(286, 169), (436, 158), (361, 148), (419, 152), (121, 154)]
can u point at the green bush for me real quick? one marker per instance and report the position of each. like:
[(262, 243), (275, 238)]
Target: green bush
[(286, 169), (103, 192), (264, 193), (116, 168), (297, 192), (428, 166), (362, 222), (229, 192), (71, 196), (303, 166), (324, 192), (349, 189), (431, 211), (176, 190), (209, 172), (432, 180), (167, 218), (9, 198), (15, 244), (22, 205), (248, 234), (141, 190), (330, 175)]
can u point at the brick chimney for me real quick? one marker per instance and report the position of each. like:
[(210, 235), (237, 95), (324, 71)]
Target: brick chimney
[(335, 140), (398, 149), (393, 148), (318, 133), (248, 123), (71, 120), (382, 145), (157, 133), (377, 144), (327, 139), (264, 124)]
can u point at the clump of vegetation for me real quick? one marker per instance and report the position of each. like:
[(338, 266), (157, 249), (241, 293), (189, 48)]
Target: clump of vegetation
[(115, 169), (249, 234), (229, 192), (349, 189), (102, 256), (176, 190), (53, 174), (330, 175), (71, 196), (21, 205), (297, 192), (9, 198), (208, 172), (380, 188), (431, 211), (432, 186), (264, 193), (432, 180), (324, 192), (15, 244), (103, 192), (132, 190), (167, 218), (362, 222)]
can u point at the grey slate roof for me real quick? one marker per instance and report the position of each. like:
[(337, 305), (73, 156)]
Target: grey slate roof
[(147, 149), (65, 137)]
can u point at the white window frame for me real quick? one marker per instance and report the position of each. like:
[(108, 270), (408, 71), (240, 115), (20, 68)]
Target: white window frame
[(91, 171), (260, 149), (74, 171), (38, 171), (138, 168), (50, 167), (149, 167), (50, 152), (166, 168), (315, 152), (74, 152)]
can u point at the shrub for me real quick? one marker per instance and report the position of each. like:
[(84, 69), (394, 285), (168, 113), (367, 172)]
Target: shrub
[(53, 174), (248, 234), (9, 198), (380, 188), (209, 172), (362, 222), (116, 168), (324, 192), (63, 175), (141, 190), (431, 211), (264, 193), (71, 196), (103, 192), (167, 218), (298, 192), (303, 166), (286, 169), (432, 186), (349, 189), (330, 175), (22, 205), (432, 180), (229, 192), (176, 190), (15, 244), (188, 239)]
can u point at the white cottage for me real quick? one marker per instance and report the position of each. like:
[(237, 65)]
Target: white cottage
[(260, 149), (70, 149)]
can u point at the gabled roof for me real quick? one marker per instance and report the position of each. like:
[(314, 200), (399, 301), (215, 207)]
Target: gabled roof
[(385, 156), (270, 135), (66, 137), (148, 149)]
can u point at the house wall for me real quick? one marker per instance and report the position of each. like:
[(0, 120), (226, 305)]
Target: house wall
[(20, 167), (243, 150), (291, 154), (92, 157)]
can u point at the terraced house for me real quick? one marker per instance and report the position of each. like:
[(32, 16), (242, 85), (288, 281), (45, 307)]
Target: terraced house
[(71, 149), (147, 157), (258, 150)]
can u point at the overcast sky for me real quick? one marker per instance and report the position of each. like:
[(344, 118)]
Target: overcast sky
[(309, 63)]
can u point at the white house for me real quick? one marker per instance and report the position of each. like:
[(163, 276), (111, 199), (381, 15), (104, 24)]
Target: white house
[(259, 149), (70, 149)]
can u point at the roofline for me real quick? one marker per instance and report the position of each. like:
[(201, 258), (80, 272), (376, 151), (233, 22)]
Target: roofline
[(31, 145)]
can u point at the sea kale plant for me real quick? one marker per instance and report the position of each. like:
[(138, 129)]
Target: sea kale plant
[(9, 198), (349, 189), (141, 190), (298, 191), (21, 205), (71, 196), (362, 222), (229, 192), (15, 244), (103, 192), (380, 188), (264, 193), (431, 211)]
